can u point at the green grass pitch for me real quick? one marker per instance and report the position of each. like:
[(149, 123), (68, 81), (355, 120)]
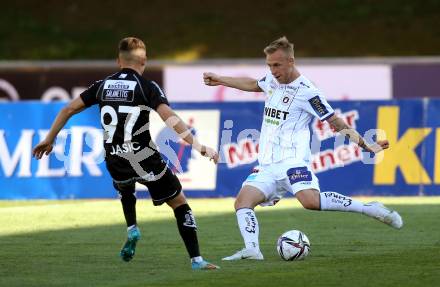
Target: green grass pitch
[(76, 243)]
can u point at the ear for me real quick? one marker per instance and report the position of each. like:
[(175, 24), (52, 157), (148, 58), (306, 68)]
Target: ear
[(144, 61)]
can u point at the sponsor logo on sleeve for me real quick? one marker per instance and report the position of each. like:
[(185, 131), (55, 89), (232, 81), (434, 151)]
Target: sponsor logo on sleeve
[(318, 106)]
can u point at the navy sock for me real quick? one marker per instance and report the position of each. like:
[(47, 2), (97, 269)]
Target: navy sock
[(128, 200), (187, 229)]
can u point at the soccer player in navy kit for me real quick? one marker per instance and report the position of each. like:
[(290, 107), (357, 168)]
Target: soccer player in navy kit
[(284, 155), (125, 100)]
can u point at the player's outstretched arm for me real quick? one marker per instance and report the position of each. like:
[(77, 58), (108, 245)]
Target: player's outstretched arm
[(241, 83), (340, 126), (174, 122), (46, 146)]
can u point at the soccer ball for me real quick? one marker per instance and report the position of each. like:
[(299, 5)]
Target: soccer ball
[(293, 245)]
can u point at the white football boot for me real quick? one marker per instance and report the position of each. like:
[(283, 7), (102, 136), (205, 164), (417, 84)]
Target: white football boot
[(245, 253), (380, 212)]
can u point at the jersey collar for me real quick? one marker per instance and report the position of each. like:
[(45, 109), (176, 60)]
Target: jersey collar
[(294, 83), (129, 70)]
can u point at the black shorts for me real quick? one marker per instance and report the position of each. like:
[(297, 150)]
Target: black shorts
[(163, 185)]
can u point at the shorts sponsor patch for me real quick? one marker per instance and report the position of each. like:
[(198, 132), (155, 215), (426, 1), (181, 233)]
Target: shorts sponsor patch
[(318, 106), (299, 174)]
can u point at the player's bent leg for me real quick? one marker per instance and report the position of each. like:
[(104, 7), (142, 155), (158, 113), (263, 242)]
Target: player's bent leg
[(309, 198), (248, 197), (179, 200), (333, 201), (187, 227)]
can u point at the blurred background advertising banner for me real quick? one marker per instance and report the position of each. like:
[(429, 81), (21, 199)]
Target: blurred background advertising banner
[(184, 83), (416, 80), (76, 169), (61, 82), (194, 171)]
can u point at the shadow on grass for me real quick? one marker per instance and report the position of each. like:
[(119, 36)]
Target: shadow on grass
[(346, 248)]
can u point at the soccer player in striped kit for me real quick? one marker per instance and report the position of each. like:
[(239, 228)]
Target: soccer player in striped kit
[(291, 102)]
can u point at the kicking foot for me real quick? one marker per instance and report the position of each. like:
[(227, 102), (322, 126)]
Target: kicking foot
[(129, 248), (245, 253), (203, 265), (380, 212)]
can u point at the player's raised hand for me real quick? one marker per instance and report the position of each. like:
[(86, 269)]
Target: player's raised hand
[(384, 144), (210, 153), (44, 147), (379, 146), (211, 79)]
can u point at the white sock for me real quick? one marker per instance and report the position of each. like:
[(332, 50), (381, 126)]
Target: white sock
[(334, 201), (197, 259), (131, 227), (248, 224)]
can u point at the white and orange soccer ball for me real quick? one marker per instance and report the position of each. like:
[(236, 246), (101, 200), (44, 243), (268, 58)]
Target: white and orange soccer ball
[(293, 245)]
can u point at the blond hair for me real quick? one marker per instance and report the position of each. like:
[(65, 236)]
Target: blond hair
[(128, 46), (280, 44)]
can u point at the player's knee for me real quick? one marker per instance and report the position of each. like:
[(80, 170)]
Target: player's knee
[(308, 199), (248, 199), (126, 192), (124, 187), (177, 201), (237, 204), (243, 202), (307, 204)]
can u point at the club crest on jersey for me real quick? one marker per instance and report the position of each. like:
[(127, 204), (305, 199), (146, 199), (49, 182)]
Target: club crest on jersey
[(286, 100), (299, 174)]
